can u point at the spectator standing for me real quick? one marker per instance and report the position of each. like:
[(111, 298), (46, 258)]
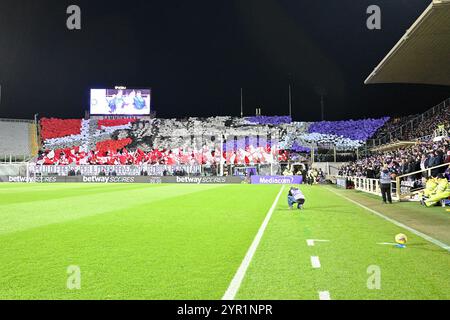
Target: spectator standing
[(447, 158), (447, 173), (436, 161), (385, 185)]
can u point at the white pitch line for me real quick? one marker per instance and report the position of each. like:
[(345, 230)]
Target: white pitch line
[(315, 262), (387, 244), (324, 295), (311, 242), (399, 224), (235, 284)]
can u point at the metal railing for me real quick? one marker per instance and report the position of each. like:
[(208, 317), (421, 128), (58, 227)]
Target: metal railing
[(11, 159), (399, 179), (372, 186), (387, 138), (16, 120)]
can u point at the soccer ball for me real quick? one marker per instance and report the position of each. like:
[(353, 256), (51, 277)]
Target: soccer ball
[(401, 238)]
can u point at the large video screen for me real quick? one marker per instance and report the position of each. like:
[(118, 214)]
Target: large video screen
[(120, 101)]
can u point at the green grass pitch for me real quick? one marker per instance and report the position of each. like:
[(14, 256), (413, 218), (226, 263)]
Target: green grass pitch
[(187, 242)]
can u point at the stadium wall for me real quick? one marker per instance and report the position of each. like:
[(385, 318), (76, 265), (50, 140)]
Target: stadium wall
[(13, 170), (330, 168)]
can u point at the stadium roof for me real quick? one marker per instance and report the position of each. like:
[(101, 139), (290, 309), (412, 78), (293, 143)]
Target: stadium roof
[(422, 55)]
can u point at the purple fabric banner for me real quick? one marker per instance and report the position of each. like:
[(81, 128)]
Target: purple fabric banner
[(277, 179)]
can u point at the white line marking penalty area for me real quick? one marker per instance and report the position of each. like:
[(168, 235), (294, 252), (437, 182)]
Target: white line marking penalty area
[(235, 284)]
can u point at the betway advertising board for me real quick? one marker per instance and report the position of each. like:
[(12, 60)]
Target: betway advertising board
[(277, 179), (123, 179), (154, 180)]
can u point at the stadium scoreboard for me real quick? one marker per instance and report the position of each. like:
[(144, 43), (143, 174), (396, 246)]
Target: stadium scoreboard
[(121, 101)]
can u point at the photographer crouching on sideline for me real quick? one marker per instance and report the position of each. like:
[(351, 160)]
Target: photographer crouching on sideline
[(385, 184), (295, 196)]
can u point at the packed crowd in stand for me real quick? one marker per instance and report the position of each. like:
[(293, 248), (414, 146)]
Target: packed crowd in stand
[(403, 161), (414, 126), (427, 126), (392, 127), (428, 152), (114, 153), (241, 141), (204, 146)]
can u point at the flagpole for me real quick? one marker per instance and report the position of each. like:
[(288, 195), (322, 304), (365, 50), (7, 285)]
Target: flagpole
[(242, 103), (221, 153), (290, 100)]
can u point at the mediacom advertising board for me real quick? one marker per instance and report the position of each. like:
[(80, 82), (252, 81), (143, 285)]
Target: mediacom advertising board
[(277, 179)]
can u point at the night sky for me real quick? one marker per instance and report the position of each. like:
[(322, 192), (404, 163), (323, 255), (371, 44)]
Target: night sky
[(196, 55)]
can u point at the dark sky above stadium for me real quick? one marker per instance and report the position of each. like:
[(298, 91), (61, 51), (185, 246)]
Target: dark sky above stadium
[(196, 55)]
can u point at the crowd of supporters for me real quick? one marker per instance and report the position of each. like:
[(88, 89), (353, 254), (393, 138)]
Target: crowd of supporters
[(196, 133), (427, 126), (414, 126), (241, 141), (403, 161), (392, 127), (107, 155), (54, 128)]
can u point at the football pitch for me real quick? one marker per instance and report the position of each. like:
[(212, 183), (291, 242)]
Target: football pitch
[(190, 242)]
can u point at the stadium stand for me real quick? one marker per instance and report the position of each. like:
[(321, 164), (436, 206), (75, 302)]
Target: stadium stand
[(391, 128), (55, 128), (429, 149), (219, 145), (17, 140), (254, 140), (420, 162), (403, 160), (415, 148), (428, 125), (413, 127)]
